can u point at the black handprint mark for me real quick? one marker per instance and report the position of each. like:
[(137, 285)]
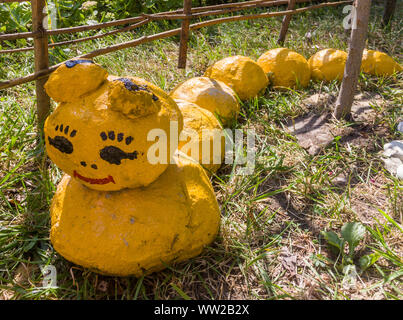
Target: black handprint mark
[(61, 143), (115, 155)]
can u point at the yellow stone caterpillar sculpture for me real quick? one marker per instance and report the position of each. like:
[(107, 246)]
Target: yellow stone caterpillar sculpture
[(203, 131), (379, 63), (285, 68), (240, 73), (115, 211), (212, 95), (328, 65)]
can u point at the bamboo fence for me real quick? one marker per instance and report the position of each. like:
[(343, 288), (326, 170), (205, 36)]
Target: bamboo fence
[(40, 35)]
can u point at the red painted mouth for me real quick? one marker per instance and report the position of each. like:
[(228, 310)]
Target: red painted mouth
[(94, 181)]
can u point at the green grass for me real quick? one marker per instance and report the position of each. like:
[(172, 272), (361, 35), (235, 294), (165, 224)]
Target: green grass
[(275, 213)]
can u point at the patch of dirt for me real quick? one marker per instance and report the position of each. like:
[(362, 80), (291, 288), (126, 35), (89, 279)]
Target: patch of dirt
[(367, 198), (316, 130)]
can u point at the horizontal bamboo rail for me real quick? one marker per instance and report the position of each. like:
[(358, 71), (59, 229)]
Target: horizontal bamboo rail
[(143, 19), (2, 1), (162, 35), (239, 6), (52, 45)]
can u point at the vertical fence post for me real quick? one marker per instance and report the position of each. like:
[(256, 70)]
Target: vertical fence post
[(286, 23), (41, 58), (390, 7), (353, 63), (183, 48)]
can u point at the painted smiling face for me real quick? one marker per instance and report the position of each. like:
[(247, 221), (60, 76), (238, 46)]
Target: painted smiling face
[(98, 132)]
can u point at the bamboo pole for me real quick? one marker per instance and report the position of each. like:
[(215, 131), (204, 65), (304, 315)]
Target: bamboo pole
[(52, 45), (162, 35), (20, 35), (265, 15), (41, 59), (242, 6), (146, 17), (5, 1), (353, 63), (286, 23), (183, 47)]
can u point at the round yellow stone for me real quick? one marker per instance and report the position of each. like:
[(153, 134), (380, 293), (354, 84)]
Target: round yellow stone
[(101, 138), (136, 231), (75, 78), (379, 64), (204, 136), (328, 65), (212, 95), (240, 73), (285, 68)]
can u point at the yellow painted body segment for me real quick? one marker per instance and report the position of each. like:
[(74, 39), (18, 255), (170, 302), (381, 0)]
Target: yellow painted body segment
[(379, 64), (101, 137), (328, 65), (136, 231), (285, 68), (212, 95), (116, 212), (202, 123), (240, 73)]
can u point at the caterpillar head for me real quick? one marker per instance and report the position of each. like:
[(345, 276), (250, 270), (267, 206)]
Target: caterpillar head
[(105, 130)]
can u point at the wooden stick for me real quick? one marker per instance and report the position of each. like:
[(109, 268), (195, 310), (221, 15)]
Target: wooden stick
[(227, 9), (52, 45), (217, 9), (25, 35), (390, 7), (183, 47), (16, 50), (146, 18), (20, 35), (353, 63), (286, 23), (254, 16), (165, 34), (243, 4), (265, 15), (43, 73), (3, 1), (41, 59)]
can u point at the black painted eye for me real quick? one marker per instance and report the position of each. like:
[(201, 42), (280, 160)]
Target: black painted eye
[(115, 155), (61, 144)]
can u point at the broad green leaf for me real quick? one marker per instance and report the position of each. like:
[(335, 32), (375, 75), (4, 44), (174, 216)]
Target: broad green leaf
[(368, 260), (353, 233), (333, 240)]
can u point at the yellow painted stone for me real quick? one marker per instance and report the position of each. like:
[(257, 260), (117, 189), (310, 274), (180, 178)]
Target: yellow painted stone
[(379, 64), (212, 95), (100, 137), (136, 231), (240, 73), (74, 79), (328, 65), (285, 68), (201, 129)]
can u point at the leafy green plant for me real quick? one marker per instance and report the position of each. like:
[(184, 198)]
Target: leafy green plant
[(15, 17), (351, 233)]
